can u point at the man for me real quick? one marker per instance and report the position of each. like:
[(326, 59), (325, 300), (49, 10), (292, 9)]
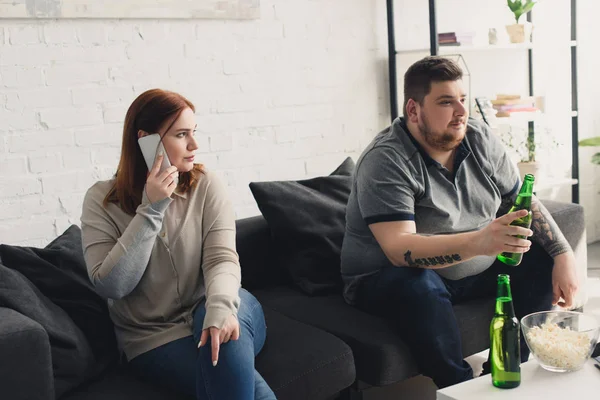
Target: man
[(421, 226)]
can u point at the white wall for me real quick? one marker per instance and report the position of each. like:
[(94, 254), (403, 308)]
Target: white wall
[(284, 97), (589, 111)]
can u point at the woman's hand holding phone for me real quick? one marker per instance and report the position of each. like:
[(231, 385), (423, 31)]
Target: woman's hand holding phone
[(160, 185)]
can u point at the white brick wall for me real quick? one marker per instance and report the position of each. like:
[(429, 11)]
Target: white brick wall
[(287, 96)]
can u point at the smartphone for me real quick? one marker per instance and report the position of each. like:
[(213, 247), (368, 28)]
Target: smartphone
[(151, 145)]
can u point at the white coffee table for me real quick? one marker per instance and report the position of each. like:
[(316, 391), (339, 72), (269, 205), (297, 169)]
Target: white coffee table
[(536, 383)]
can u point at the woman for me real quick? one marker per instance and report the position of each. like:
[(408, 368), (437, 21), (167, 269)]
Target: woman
[(164, 255)]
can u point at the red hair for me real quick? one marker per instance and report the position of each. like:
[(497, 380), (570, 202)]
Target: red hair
[(150, 112)]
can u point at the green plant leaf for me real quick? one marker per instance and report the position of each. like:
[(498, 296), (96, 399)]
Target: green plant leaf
[(514, 5), (518, 16), (519, 8), (596, 158), (595, 141), (528, 6)]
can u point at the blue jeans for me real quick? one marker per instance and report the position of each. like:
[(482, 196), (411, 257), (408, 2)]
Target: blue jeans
[(181, 366), (420, 301)]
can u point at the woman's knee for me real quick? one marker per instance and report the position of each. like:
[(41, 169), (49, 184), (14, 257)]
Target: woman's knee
[(252, 320), (250, 310)]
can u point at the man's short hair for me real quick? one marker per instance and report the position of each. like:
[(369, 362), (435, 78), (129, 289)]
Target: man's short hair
[(420, 75)]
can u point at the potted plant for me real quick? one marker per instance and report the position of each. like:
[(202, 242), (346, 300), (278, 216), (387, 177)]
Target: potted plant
[(526, 148), (517, 31), (594, 142)]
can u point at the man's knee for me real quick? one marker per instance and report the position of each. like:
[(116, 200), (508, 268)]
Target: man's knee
[(415, 284), (425, 282)]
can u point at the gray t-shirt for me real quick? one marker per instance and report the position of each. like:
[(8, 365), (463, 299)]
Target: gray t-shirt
[(396, 180)]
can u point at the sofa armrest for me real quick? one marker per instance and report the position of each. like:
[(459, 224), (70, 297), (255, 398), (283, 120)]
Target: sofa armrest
[(570, 219), (25, 358)]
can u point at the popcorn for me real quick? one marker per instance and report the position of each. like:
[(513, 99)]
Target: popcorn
[(559, 347)]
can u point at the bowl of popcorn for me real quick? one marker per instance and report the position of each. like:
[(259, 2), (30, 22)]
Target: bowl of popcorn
[(561, 341)]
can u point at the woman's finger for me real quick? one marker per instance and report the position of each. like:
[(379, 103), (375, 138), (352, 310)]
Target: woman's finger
[(157, 163), (236, 333), (203, 338), (215, 345), (168, 173), (225, 338)]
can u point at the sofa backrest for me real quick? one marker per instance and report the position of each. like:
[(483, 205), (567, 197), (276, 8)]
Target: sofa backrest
[(255, 248)]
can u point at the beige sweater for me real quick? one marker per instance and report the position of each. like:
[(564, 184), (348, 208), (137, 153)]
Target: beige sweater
[(154, 277)]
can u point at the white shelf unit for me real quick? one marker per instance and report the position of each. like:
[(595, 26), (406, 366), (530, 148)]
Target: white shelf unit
[(447, 50), (552, 183)]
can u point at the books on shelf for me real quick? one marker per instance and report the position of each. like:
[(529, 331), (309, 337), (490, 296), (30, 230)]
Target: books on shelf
[(508, 96), (455, 38), (516, 110), (508, 104)]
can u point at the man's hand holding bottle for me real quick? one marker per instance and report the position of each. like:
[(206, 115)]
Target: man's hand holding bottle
[(499, 236)]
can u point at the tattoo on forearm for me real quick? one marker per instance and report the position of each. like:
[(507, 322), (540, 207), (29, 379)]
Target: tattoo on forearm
[(430, 261), (545, 231)]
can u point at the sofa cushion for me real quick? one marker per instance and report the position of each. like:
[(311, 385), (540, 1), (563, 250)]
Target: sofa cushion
[(121, 384), (72, 357), (302, 362), (570, 218), (255, 249), (307, 222), (380, 356), (60, 273), (26, 360)]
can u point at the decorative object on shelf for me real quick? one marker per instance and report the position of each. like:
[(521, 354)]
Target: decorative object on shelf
[(592, 142), (485, 109), (531, 167), (492, 36), (528, 164), (526, 146), (519, 33)]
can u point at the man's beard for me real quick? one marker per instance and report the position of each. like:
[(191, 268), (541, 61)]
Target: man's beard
[(444, 141)]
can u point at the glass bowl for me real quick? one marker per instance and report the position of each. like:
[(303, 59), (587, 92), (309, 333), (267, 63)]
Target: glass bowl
[(561, 341)]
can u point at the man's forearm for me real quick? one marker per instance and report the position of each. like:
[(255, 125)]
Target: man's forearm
[(432, 252), (545, 230)]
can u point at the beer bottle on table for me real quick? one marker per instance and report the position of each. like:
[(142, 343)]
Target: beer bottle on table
[(505, 350), (523, 202)]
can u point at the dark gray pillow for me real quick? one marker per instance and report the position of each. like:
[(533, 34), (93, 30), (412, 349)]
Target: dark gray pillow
[(72, 357), (307, 222), (59, 272)]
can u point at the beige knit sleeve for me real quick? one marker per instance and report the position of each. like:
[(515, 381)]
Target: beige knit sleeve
[(115, 261), (220, 263)]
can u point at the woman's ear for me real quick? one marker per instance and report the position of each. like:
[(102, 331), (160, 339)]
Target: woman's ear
[(142, 133)]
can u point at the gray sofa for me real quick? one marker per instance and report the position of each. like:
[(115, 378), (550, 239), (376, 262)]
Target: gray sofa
[(318, 347), (380, 357)]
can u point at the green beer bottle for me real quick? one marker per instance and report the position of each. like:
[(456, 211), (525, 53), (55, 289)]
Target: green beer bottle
[(523, 202), (505, 350)]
